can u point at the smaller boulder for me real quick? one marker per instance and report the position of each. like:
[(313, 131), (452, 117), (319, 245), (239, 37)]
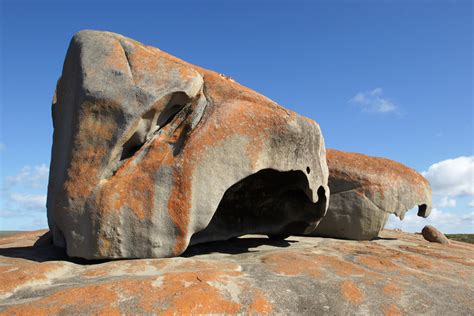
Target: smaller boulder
[(433, 235)]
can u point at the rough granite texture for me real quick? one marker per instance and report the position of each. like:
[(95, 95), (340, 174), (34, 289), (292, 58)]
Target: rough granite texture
[(365, 191), (397, 274), (151, 154)]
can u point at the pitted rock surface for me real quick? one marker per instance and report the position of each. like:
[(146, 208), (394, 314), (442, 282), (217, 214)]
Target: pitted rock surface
[(151, 154), (397, 274), (365, 191)]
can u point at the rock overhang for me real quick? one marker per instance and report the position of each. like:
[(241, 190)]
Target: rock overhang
[(365, 190)]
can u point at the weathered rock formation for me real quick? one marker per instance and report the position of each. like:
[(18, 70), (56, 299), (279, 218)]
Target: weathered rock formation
[(431, 234), (365, 191), (399, 274), (151, 153)]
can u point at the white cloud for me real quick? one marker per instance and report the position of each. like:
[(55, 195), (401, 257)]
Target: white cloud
[(29, 177), (23, 199), (471, 204), (445, 221), (446, 202), (373, 101), (29, 201), (452, 177)]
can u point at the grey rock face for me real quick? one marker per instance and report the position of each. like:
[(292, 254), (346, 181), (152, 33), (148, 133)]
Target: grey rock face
[(151, 154), (365, 191), (431, 234)]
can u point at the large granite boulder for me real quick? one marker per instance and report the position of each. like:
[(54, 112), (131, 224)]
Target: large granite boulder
[(151, 154), (400, 274), (365, 191)]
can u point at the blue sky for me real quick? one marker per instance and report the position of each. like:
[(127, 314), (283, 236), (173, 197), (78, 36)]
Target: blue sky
[(385, 78)]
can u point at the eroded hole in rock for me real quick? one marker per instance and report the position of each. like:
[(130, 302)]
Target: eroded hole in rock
[(268, 202), (422, 210), (152, 121), (177, 102), (138, 138), (308, 170)]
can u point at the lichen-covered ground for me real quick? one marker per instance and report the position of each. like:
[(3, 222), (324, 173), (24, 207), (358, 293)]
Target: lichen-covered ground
[(399, 273)]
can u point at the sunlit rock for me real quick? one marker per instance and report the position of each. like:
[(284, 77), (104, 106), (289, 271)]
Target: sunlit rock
[(151, 154), (365, 191)]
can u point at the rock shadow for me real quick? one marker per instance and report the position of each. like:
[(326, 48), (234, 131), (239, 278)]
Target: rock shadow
[(44, 254), (235, 246)]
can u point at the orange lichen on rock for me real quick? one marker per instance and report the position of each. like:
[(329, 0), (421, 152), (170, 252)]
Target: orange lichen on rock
[(260, 305), (365, 191), (133, 128), (378, 263), (391, 289), (392, 170), (311, 276), (291, 263), (391, 310), (100, 298), (352, 293), (340, 266), (18, 274)]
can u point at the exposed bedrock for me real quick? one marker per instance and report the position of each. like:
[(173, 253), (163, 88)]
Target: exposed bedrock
[(365, 191), (151, 153)]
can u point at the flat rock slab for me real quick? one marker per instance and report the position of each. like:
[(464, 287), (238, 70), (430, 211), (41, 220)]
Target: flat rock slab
[(399, 273)]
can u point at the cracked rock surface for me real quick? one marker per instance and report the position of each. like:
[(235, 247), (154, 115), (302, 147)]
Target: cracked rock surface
[(397, 274), (365, 191), (151, 154)]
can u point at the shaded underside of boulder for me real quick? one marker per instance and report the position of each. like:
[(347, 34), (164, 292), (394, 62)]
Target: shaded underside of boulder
[(365, 191), (149, 150)]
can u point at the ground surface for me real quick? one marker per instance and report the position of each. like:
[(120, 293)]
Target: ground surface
[(399, 273)]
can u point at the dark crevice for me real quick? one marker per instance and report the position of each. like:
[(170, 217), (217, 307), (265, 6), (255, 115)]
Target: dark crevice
[(151, 122), (268, 202), (321, 205), (422, 210), (137, 140)]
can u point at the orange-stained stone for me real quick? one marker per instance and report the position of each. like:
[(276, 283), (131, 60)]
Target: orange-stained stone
[(352, 293), (392, 290), (260, 305), (391, 310), (291, 263)]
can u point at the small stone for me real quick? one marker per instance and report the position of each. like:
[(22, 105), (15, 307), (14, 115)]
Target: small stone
[(433, 235)]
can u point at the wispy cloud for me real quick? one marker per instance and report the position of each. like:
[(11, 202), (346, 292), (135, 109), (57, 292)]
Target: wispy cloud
[(471, 204), (2, 147), (373, 101), (452, 177), (23, 199), (445, 221), (447, 202), (33, 177), (29, 201)]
